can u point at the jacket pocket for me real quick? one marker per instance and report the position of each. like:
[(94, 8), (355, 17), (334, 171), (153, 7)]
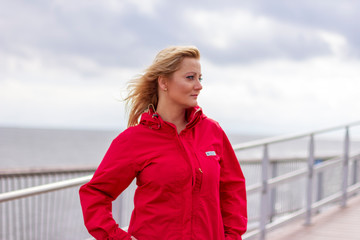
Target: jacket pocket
[(208, 172), (198, 179)]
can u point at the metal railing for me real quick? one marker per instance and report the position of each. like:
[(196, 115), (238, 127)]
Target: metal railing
[(273, 208), (269, 184), (42, 203), (15, 179)]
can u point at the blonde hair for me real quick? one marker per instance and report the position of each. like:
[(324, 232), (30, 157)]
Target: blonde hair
[(143, 90)]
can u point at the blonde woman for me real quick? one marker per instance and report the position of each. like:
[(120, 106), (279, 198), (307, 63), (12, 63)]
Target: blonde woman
[(189, 181)]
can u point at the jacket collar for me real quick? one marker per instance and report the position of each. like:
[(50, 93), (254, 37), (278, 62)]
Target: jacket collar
[(153, 120), (193, 115)]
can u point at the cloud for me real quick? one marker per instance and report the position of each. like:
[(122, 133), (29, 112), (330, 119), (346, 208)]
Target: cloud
[(332, 16), (48, 105), (282, 96), (268, 66), (82, 29), (40, 93), (236, 35), (128, 34)]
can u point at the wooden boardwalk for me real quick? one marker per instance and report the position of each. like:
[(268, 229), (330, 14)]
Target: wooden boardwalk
[(334, 224)]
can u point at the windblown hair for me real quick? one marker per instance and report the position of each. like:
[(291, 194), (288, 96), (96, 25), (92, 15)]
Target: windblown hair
[(143, 90)]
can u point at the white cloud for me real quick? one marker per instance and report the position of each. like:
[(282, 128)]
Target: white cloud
[(221, 29), (282, 96), (252, 36), (49, 105), (80, 93), (267, 97), (338, 43), (147, 7), (109, 5)]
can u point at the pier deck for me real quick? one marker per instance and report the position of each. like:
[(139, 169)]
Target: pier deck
[(333, 224)]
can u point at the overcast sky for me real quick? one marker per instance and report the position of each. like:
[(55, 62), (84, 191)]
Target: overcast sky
[(269, 67)]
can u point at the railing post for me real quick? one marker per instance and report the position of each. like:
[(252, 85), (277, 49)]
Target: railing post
[(309, 189), (272, 209), (264, 193), (320, 186), (319, 182), (345, 167), (355, 171)]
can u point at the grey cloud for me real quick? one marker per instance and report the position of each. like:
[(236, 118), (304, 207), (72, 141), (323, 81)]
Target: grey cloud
[(295, 45), (104, 36), (341, 17), (130, 38), (170, 27)]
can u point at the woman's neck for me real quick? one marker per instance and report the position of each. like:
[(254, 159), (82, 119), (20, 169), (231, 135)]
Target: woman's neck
[(173, 115)]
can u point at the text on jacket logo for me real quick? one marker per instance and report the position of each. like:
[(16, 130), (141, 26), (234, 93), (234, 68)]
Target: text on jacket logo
[(210, 153)]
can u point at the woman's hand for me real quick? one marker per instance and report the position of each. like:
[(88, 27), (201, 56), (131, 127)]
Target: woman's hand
[(133, 238)]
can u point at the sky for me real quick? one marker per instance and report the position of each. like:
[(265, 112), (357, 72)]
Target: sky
[(269, 67)]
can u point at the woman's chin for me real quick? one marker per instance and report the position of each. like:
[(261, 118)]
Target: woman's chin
[(194, 104)]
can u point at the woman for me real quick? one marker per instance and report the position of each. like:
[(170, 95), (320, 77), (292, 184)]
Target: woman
[(189, 182)]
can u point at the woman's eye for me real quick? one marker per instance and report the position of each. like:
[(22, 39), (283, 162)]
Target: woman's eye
[(193, 77)]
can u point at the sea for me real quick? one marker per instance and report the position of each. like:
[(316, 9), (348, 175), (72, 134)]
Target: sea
[(24, 148)]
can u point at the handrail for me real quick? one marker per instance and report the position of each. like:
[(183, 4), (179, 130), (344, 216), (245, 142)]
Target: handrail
[(264, 186), (268, 183), (8, 196), (271, 140), (273, 182), (48, 170)]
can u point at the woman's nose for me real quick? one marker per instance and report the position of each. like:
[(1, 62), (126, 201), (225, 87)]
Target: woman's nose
[(198, 85)]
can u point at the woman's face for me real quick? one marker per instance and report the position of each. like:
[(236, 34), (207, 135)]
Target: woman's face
[(184, 85)]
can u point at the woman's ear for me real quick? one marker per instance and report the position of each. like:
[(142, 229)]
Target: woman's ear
[(163, 83)]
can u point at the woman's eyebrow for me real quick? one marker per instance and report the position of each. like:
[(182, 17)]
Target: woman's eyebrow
[(193, 73)]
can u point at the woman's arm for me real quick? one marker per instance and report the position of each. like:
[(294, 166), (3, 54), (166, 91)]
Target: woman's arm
[(114, 174), (232, 193)]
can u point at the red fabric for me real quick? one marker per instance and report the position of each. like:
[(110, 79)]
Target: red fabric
[(189, 185)]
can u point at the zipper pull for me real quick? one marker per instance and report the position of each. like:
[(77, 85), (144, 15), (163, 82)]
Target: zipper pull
[(200, 170)]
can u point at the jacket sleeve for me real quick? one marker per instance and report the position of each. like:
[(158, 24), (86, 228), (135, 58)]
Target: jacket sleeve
[(114, 174), (232, 193)]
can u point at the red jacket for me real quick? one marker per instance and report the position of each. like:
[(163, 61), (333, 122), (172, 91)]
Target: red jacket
[(189, 185)]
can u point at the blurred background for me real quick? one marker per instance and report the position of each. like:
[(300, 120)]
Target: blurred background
[(270, 68)]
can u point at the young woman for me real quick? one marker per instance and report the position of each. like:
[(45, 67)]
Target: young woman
[(189, 181)]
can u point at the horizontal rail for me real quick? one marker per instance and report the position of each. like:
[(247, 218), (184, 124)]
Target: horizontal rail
[(253, 188), (332, 198), (289, 218), (8, 196), (301, 212), (328, 164), (332, 162), (250, 235), (35, 171), (282, 159), (276, 224), (271, 140), (273, 182)]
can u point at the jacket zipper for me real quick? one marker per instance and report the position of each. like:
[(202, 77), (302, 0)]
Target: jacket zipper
[(196, 177), (187, 157), (193, 170)]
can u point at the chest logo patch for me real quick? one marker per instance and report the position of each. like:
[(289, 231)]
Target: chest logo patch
[(210, 153)]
